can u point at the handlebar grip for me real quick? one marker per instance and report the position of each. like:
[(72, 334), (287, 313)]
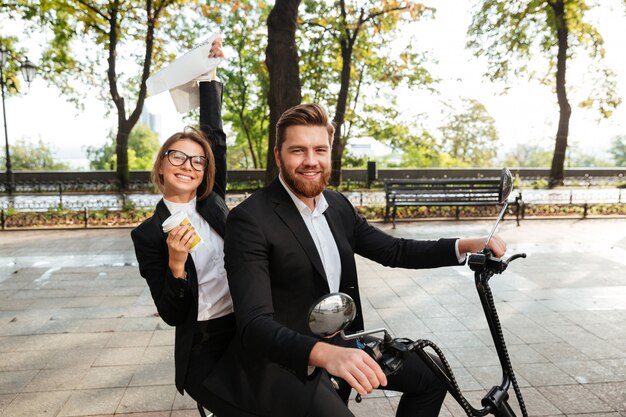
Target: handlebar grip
[(514, 257)]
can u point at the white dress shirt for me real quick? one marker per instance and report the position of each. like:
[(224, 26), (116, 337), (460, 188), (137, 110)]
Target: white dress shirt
[(322, 236), (213, 293)]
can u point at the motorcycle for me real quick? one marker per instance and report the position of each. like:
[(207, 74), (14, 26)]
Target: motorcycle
[(333, 313)]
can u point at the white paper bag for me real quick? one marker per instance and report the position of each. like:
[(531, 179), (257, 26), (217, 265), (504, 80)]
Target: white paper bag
[(178, 76)]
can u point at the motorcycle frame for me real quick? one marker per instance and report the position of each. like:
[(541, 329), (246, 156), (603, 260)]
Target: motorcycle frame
[(496, 400)]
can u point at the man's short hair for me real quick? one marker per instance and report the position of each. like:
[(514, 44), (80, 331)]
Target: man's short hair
[(305, 114)]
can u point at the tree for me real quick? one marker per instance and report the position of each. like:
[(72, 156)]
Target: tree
[(380, 119), (618, 150), (143, 145), (29, 156), (528, 155), (281, 57), (353, 39), (246, 79), (11, 68), (129, 35), (509, 34), (470, 136)]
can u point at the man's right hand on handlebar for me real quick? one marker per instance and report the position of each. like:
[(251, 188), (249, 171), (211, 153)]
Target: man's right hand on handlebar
[(496, 245), (354, 366)]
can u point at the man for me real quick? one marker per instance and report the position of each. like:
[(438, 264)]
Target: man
[(292, 242)]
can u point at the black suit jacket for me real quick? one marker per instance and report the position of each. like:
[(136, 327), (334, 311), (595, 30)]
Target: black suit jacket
[(176, 300), (275, 275)]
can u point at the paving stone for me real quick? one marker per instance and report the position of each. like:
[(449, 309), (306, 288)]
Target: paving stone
[(588, 371), (130, 339), (107, 377), (153, 374), (613, 394), (56, 380), (18, 361), (92, 401), (76, 358), (5, 400), (575, 399), (162, 338), (184, 402), (150, 398), (37, 404), (543, 374), (563, 325), (14, 381), (158, 354), (120, 356)]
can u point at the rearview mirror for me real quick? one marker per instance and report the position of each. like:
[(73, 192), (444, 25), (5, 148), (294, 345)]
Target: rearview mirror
[(331, 314), (506, 185)]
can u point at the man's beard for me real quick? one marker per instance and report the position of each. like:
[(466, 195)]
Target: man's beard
[(308, 189)]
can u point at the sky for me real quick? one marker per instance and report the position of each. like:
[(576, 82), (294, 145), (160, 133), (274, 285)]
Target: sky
[(527, 113)]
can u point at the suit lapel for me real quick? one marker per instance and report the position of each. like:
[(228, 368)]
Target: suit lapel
[(214, 210), (287, 211)]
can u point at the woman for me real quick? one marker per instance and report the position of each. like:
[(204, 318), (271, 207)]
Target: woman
[(190, 290)]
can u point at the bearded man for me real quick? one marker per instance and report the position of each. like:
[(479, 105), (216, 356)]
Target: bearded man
[(292, 242)]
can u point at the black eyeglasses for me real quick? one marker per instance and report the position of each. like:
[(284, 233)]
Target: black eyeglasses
[(178, 158)]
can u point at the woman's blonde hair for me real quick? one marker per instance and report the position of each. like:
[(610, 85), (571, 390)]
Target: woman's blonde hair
[(190, 133)]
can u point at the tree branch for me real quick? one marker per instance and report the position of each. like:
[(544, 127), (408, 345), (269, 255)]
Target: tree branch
[(111, 59), (94, 9)]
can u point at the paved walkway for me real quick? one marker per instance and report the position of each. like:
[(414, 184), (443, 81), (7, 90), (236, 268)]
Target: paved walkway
[(79, 335)]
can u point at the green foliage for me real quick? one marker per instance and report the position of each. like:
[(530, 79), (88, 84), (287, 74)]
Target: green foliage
[(618, 150), (584, 159), (512, 34), (11, 69), (344, 50), (470, 136), (528, 155), (29, 156), (143, 144), (245, 78), (110, 47)]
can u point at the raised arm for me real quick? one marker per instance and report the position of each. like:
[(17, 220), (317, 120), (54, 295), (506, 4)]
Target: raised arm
[(211, 93), (211, 126)]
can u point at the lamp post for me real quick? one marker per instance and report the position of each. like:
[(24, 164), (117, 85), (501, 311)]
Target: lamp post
[(28, 70)]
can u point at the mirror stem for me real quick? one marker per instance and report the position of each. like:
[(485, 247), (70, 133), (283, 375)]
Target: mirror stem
[(495, 226)]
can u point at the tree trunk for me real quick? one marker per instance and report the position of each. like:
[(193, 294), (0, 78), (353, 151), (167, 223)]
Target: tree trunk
[(557, 170), (121, 151), (340, 111), (282, 60), (124, 124)]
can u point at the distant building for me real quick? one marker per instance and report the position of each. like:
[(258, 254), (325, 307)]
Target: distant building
[(370, 148), (152, 120)]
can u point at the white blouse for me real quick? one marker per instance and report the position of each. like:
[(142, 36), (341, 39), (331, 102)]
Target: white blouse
[(213, 293)]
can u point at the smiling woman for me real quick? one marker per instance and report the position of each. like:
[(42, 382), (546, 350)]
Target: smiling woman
[(189, 287)]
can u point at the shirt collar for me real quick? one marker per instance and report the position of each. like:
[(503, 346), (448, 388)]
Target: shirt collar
[(320, 201), (176, 207)]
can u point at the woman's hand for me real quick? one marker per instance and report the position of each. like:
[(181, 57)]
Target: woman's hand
[(179, 241), (216, 49)]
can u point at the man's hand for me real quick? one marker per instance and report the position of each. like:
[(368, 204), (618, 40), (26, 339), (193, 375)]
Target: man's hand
[(497, 245), (355, 366)]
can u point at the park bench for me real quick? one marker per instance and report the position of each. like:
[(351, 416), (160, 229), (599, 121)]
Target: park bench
[(443, 192)]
